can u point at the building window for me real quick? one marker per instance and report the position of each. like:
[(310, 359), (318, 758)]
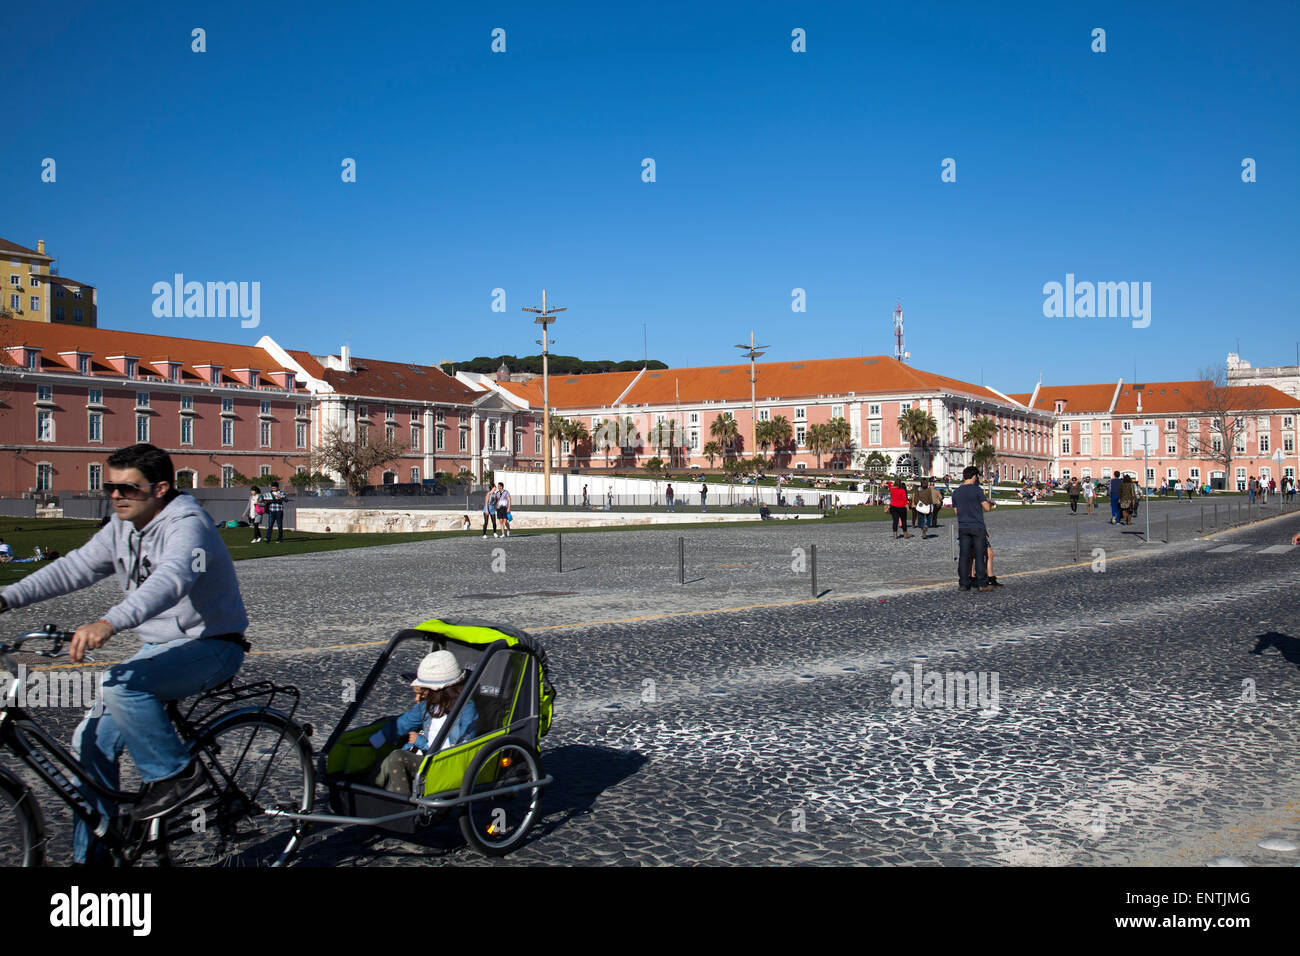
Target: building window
[(1085, 427), (34, 360), (904, 407), (227, 433), (130, 363), (439, 439), (440, 416), (83, 364), (1241, 479), (265, 408), (263, 471), (95, 427), (415, 476), (187, 430), (363, 411), (1288, 421), (16, 301), (873, 410), (799, 435), (94, 476), (1127, 446), (1263, 444), (58, 294), (1126, 426), (1065, 445), (142, 428), (300, 435), (58, 311), (1288, 444), (873, 432), (141, 399), (227, 404), (388, 411), (363, 433), (15, 280), (537, 440), (187, 403), (264, 434), (36, 303), (463, 433), (1065, 427), (227, 475), (390, 434), (1171, 424), (1171, 447), (837, 411), (44, 476), (44, 426), (45, 393), (764, 415), (415, 438), (300, 410)]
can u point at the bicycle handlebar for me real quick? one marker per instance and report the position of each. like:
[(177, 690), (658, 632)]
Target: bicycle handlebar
[(50, 632)]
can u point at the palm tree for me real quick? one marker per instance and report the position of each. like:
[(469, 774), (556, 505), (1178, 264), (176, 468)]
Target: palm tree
[(818, 440), (575, 433), (629, 437), (918, 428), (781, 434), (602, 436), (763, 435), (980, 433), (558, 426), (711, 451), (725, 430), (841, 436)]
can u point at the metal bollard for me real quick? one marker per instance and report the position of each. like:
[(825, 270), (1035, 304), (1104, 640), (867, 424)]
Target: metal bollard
[(559, 553), (1076, 543), (814, 570), (681, 560), (1216, 516), (1166, 527), (1202, 519), (952, 536)]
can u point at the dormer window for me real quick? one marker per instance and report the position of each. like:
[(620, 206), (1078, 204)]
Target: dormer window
[(33, 359), (130, 368)]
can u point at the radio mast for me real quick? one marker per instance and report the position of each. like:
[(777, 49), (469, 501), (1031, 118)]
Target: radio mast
[(900, 353)]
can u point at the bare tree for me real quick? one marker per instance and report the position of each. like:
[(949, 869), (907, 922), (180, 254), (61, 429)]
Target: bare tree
[(1230, 409), (353, 460)]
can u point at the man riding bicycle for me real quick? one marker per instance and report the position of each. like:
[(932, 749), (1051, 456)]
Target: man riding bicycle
[(182, 598)]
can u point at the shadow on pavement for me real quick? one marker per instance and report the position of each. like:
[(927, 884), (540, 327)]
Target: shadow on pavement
[(1287, 645), (582, 773)]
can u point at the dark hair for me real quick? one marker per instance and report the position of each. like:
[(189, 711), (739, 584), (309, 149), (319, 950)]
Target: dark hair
[(275, 484), (969, 472), (254, 488), (438, 703), (154, 463)]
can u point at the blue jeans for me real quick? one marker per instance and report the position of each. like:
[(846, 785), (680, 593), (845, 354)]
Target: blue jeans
[(273, 518), (1251, 495), (1114, 509), (130, 712)]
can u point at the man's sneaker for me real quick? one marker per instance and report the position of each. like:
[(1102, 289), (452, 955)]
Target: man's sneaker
[(987, 587), (164, 796), (484, 535)]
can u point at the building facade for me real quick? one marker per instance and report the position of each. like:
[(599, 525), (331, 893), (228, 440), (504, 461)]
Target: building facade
[(35, 292)]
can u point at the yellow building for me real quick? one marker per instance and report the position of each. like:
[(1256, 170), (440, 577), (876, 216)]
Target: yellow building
[(33, 291)]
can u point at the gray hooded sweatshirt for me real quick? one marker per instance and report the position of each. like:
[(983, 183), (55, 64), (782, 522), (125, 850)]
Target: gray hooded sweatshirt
[(177, 575)]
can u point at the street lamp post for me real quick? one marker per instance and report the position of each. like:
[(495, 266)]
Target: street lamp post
[(751, 352), (544, 318)]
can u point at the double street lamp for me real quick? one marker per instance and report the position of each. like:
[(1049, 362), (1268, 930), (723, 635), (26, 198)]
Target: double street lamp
[(545, 316)]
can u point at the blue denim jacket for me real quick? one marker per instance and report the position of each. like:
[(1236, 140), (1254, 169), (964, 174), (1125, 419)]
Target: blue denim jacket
[(397, 730)]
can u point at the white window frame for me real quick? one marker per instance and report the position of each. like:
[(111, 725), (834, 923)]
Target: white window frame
[(227, 433), (93, 419), (873, 410), (873, 433), (300, 434), (44, 417), (142, 428), (187, 430), (264, 434), (94, 476)]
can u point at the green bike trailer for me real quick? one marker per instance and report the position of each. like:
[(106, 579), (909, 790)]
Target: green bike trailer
[(493, 778)]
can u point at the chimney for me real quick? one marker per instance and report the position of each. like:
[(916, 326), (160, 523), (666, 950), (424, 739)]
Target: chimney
[(40, 246), (345, 358)]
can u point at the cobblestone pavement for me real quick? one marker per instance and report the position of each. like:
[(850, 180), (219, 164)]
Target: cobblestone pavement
[(1144, 713)]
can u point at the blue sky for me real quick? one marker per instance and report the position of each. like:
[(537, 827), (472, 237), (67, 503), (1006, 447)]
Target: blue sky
[(775, 170)]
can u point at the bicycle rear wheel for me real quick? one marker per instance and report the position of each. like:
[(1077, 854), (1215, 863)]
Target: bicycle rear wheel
[(20, 831), (264, 762)]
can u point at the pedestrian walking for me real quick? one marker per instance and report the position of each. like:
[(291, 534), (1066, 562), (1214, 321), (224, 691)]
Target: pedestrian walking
[(969, 502), (1127, 499), (922, 505), (1251, 484), (1089, 493), (668, 496), (898, 507), (254, 511), (503, 507), (275, 511), (490, 511), (609, 498), (704, 497), (1190, 488), (1074, 489), (936, 499), (586, 504), (1115, 485)]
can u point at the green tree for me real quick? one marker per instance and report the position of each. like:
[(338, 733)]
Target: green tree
[(782, 434), (918, 429), (726, 431), (711, 451)]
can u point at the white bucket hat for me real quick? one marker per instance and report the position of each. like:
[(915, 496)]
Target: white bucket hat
[(438, 670)]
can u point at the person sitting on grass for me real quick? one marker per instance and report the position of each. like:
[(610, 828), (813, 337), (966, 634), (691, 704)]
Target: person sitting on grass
[(6, 552), (764, 513), (437, 685)]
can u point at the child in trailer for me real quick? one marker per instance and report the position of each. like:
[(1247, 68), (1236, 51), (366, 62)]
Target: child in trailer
[(438, 685)]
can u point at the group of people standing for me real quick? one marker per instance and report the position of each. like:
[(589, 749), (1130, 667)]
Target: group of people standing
[(496, 508), (924, 502), (267, 504)]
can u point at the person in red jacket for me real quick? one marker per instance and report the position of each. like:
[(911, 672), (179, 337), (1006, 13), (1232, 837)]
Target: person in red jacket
[(898, 507)]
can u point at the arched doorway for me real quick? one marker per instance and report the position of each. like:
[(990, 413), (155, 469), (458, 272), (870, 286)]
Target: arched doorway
[(906, 464)]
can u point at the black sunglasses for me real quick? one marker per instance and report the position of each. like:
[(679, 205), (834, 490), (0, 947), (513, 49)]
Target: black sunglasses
[(128, 488)]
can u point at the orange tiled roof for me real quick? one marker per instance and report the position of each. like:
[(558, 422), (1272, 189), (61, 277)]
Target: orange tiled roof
[(1078, 398), (594, 390), (53, 338), (7, 246), (869, 375), (1159, 398), (310, 364), (398, 380)]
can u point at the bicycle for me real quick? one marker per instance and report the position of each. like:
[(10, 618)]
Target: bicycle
[(256, 758)]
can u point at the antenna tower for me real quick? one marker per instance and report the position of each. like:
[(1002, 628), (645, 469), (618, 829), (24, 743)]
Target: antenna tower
[(900, 353)]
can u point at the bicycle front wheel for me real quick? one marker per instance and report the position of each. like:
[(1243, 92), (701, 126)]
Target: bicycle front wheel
[(20, 831), (259, 762)]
